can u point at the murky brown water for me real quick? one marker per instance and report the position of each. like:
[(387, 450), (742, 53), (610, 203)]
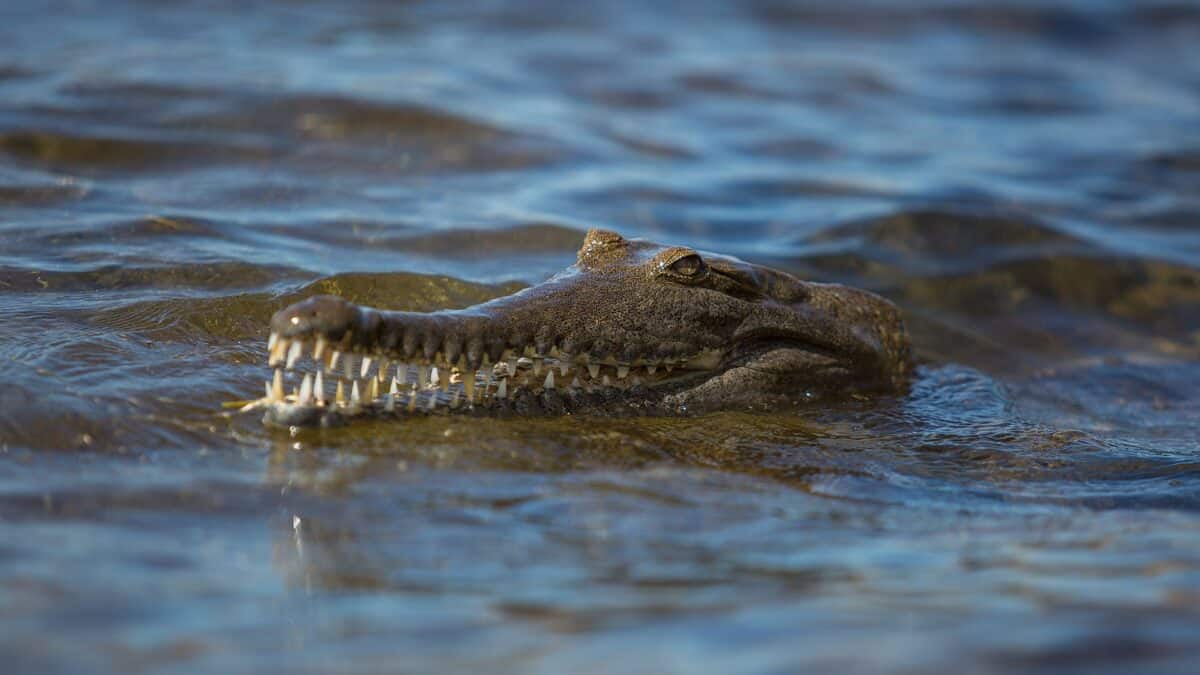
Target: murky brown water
[(1023, 178)]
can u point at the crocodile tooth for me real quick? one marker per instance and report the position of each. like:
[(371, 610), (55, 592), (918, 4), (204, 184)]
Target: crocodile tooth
[(271, 340), (391, 402), (372, 389), (305, 396), (564, 368), (469, 385), (670, 367), (319, 388), (575, 383), (412, 401), (594, 370), (395, 389), (268, 389), (349, 366), (278, 352), (355, 397), (432, 400), (605, 381), (277, 386), (530, 351), (502, 389), (554, 353), (455, 398), (622, 371), (294, 353), (318, 349), (444, 379), (340, 395), (401, 373), (549, 383), (333, 361), (537, 366), (651, 368), (422, 375), (366, 367)]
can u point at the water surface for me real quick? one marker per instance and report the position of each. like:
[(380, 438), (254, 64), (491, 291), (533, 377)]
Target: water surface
[(1023, 178)]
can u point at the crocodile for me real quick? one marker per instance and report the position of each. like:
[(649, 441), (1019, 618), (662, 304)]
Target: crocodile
[(632, 327)]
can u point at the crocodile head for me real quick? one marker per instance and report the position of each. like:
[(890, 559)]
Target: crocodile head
[(632, 326)]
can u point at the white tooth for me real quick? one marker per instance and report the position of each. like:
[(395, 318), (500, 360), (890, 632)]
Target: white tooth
[(384, 366), (340, 395), (435, 374), (372, 389), (537, 366), (395, 387), (487, 380), (549, 384), (319, 388), (502, 389), (268, 389), (277, 386), (651, 368), (391, 402), (349, 366), (333, 361), (564, 368), (575, 383), (422, 376), (432, 400), (530, 351), (622, 371), (512, 367), (669, 367), (366, 367), (294, 353), (319, 349), (594, 370), (605, 381), (274, 337), (279, 352), (306, 390), (355, 397), (412, 401), (401, 373), (554, 353)]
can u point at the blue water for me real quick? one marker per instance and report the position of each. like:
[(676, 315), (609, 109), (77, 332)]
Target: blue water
[(1023, 178)]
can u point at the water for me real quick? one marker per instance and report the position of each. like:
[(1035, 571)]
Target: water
[(1022, 177)]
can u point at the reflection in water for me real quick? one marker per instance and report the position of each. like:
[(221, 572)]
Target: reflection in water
[(1021, 177)]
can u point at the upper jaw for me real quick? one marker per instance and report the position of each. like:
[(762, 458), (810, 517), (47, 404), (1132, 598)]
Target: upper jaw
[(335, 369)]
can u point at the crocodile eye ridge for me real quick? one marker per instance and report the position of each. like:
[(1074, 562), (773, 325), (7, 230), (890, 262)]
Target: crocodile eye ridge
[(687, 266)]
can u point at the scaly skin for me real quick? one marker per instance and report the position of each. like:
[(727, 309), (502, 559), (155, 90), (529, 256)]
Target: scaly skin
[(633, 326)]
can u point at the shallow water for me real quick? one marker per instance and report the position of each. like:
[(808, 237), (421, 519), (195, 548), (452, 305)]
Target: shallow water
[(1023, 178)]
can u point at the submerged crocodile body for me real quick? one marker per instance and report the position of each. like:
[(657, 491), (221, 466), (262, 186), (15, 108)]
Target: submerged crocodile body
[(631, 327)]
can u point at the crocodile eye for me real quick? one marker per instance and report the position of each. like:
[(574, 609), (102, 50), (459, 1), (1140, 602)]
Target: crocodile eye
[(687, 266)]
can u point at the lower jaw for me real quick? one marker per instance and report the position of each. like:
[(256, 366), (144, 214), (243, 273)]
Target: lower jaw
[(521, 403)]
